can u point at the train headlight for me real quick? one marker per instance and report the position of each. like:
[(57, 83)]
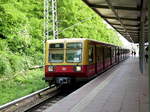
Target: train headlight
[(50, 68), (78, 68)]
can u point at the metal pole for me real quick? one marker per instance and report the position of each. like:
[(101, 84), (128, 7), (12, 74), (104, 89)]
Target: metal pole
[(149, 47), (141, 42), (46, 19), (45, 32), (55, 21), (141, 47)]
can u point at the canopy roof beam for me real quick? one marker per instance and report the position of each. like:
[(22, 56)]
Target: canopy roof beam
[(130, 25), (118, 18), (122, 18), (129, 29), (116, 7), (121, 14)]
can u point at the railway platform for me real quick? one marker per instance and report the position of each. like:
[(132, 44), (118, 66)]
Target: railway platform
[(121, 89)]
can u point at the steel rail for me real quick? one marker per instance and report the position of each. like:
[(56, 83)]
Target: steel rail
[(29, 101)]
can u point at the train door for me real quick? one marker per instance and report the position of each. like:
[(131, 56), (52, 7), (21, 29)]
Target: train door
[(91, 55), (119, 54), (123, 54), (99, 58), (113, 55), (106, 57), (116, 55), (110, 56), (96, 54)]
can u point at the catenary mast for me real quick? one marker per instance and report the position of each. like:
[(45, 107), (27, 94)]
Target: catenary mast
[(50, 19)]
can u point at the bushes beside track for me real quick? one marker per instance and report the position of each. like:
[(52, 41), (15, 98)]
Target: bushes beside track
[(21, 84), (20, 35), (21, 30)]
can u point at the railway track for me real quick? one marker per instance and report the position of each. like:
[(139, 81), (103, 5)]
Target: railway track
[(64, 91), (39, 100), (46, 104), (29, 101)]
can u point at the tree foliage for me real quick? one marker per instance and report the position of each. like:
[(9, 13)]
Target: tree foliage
[(84, 21), (20, 34), (21, 30)]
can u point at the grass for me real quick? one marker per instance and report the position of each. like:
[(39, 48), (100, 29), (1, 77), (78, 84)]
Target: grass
[(22, 84)]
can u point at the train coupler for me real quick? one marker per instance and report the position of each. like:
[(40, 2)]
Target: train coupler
[(63, 80)]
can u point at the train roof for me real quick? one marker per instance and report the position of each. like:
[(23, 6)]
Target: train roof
[(82, 39), (69, 39)]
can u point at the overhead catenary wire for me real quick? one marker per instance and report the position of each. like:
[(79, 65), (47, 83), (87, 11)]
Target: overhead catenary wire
[(78, 23)]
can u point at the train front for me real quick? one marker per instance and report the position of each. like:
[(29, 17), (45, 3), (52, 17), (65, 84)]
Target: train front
[(64, 61)]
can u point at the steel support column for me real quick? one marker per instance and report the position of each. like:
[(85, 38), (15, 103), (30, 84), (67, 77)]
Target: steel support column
[(142, 32), (149, 47), (141, 47)]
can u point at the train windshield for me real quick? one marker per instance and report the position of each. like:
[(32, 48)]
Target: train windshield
[(74, 52), (56, 52)]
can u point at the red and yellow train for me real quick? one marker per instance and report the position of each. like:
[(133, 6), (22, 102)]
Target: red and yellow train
[(79, 59)]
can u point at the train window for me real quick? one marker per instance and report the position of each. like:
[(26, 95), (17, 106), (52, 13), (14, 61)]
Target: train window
[(117, 52), (56, 52), (91, 54), (113, 51), (57, 45), (74, 45), (74, 52), (56, 55)]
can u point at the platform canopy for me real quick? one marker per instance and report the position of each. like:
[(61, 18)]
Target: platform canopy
[(125, 16)]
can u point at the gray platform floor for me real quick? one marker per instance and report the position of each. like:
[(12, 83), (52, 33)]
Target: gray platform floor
[(121, 89)]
